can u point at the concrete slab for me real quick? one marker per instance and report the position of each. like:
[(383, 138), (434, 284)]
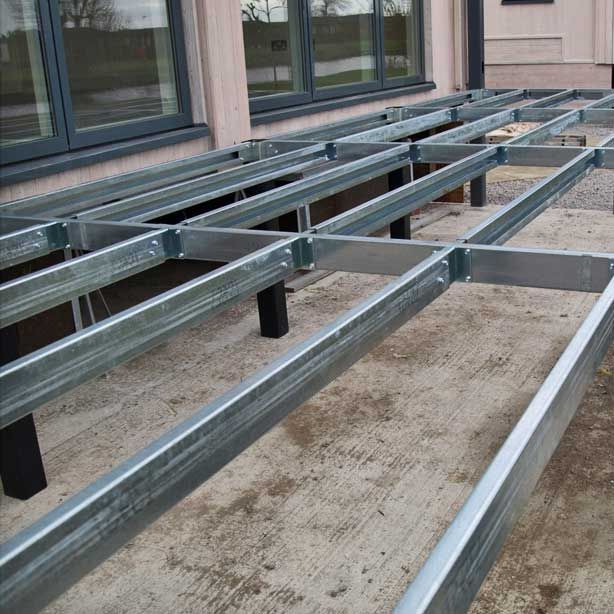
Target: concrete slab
[(336, 508)]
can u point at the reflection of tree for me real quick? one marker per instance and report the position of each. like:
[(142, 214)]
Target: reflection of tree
[(262, 10), (324, 8), (394, 8), (98, 14)]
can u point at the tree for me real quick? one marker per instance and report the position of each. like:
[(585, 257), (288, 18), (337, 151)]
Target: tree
[(325, 8), (394, 8)]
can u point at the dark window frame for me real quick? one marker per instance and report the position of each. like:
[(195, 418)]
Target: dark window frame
[(527, 1), (313, 94), (68, 139)]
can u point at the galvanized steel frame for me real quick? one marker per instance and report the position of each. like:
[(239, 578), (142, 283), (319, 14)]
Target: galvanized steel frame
[(111, 220)]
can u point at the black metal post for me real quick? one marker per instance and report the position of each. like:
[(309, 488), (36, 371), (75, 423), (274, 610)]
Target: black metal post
[(272, 305), (401, 228), (21, 464), (477, 80)]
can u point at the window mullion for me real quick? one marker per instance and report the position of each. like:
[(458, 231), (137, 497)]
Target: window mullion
[(378, 30)]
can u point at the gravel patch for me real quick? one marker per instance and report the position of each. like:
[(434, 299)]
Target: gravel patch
[(595, 193)]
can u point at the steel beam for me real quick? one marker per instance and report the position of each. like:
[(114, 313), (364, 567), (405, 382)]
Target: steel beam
[(506, 222), (42, 562), (456, 568), (376, 213), (263, 207), (32, 242), (43, 375), (31, 294)]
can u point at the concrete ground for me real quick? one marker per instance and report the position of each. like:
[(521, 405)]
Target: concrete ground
[(337, 507)]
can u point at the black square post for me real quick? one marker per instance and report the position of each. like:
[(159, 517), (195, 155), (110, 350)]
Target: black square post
[(401, 228), (272, 305), (21, 464), (477, 80)]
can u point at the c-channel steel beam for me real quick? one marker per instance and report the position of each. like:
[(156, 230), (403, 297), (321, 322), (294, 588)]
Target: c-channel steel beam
[(43, 561), (500, 99), (556, 126), (150, 205), (403, 128), (456, 568), (554, 99), (31, 294), (121, 186), (263, 207), (384, 209), (499, 226), (43, 375), (32, 242), (511, 266)]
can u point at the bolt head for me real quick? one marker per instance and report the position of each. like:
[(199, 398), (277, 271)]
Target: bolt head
[(468, 278), (288, 252), (181, 255), (284, 265), (155, 243), (309, 241)]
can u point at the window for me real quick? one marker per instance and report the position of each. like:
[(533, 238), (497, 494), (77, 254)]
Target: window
[(76, 73), (299, 51)]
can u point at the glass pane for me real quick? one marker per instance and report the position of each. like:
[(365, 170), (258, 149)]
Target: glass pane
[(273, 50), (120, 60), (25, 112), (402, 44), (343, 41)]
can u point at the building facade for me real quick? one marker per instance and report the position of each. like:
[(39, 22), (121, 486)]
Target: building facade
[(549, 43), (92, 88)]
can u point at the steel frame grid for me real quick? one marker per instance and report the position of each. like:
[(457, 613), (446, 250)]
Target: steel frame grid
[(111, 221)]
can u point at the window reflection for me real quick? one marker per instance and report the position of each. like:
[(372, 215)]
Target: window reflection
[(25, 113), (402, 38), (273, 50), (119, 60), (343, 42)]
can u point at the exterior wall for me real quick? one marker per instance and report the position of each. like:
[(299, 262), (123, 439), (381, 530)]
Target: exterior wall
[(218, 89), (564, 44)]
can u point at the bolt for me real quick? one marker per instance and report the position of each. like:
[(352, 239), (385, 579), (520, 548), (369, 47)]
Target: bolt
[(39, 234), (155, 243), (309, 241), (445, 263), (67, 246), (37, 246), (441, 281), (288, 252), (64, 225), (151, 252), (284, 265), (181, 255), (177, 232), (467, 252), (468, 278)]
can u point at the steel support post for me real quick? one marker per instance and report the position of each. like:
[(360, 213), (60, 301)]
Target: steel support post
[(475, 45), (401, 228), (21, 464)]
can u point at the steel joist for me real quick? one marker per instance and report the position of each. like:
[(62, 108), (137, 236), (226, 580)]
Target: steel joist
[(108, 220)]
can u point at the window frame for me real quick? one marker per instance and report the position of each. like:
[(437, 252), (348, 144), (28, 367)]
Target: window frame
[(68, 138), (313, 94)]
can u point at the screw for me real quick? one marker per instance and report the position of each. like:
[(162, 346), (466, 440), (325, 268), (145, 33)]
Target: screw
[(468, 278), (155, 243), (64, 225), (467, 252), (37, 246), (177, 232), (67, 246), (288, 252), (309, 241), (39, 234), (181, 255), (284, 265), (151, 252), (441, 281), (445, 263)]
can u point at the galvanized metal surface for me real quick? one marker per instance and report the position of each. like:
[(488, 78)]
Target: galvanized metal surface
[(41, 562)]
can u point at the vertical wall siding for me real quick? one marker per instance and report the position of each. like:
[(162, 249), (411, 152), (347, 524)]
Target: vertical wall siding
[(604, 31)]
